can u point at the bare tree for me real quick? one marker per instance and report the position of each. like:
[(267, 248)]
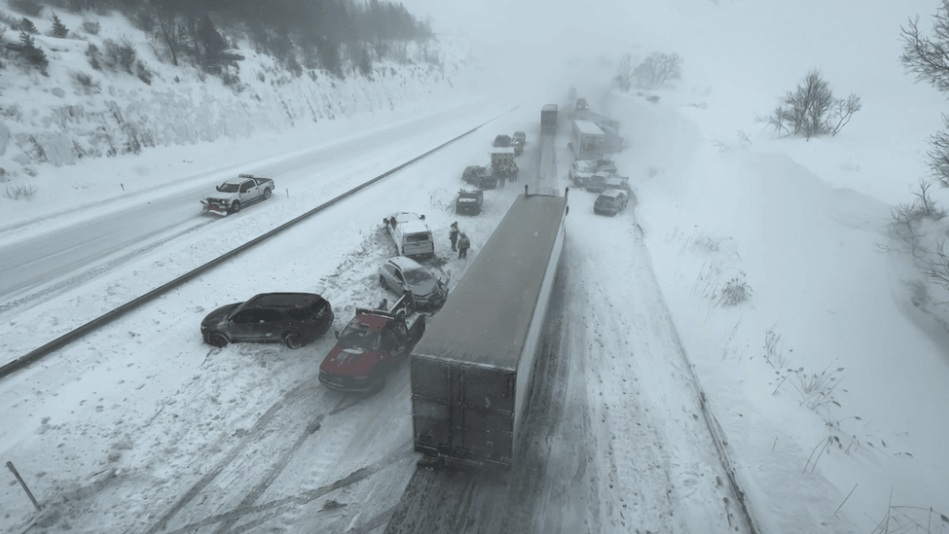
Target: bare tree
[(169, 30), (928, 59), (842, 111), (808, 103), (668, 67), (624, 72), (812, 110), (658, 69)]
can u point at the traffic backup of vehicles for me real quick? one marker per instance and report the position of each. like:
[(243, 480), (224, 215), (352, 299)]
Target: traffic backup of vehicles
[(372, 344), (405, 276), (471, 372), (410, 234), (234, 194), (294, 319)]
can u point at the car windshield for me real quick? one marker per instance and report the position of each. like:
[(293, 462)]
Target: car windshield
[(228, 188), (417, 276), (359, 337), (416, 238)]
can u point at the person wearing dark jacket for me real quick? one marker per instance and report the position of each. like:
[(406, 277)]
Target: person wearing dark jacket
[(453, 234), (463, 246)]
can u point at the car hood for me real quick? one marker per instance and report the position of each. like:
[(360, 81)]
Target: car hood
[(219, 314), (222, 196), (424, 288), (350, 362)]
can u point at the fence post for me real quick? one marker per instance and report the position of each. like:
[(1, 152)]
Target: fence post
[(26, 489)]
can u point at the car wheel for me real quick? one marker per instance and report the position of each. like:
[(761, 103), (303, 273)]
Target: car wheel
[(235, 207), (217, 340), (293, 340), (267, 193), (382, 282)]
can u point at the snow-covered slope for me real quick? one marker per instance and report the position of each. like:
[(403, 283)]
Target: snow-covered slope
[(55, 120)]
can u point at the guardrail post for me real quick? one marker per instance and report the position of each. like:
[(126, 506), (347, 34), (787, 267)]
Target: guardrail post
[(26, 489)]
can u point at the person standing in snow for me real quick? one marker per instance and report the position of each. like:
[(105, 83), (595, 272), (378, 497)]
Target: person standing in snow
[(463, 245), (453, 234)]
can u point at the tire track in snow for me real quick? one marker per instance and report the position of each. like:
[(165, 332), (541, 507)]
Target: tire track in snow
[(278, 506), (248, 439), (552, 490), (636, 486), (274, 472)]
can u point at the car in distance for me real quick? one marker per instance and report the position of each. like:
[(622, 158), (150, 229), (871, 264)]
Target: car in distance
[(502, 141), (405, 276), (611, 202), (478, 176), (469, 202), (294, 319), (519, 136)]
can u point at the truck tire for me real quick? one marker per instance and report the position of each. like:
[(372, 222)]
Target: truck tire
[(267, 193), (235, 207)]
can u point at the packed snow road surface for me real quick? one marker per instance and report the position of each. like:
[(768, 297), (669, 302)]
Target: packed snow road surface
[(616, 441), (140, 427)]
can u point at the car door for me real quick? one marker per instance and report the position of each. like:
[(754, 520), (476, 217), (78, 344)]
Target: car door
[(388, 273), (248, 191), (241, 325), (270, 324), (398, 280)]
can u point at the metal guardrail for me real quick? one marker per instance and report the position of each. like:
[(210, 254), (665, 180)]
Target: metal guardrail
[(112, 315)]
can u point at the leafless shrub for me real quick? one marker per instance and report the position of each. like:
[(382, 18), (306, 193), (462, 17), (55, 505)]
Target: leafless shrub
[(817, 389), (812, 110), (95, 57), (912, 520), (18, 191), (773, 349), (119, 54), (91, 27), (85, 81), (907, 217), (735, 292)]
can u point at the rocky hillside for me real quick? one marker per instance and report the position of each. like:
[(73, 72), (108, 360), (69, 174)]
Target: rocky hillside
[(92, 102)]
